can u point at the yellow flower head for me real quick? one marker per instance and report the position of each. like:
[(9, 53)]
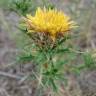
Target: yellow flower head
[(49, 21)]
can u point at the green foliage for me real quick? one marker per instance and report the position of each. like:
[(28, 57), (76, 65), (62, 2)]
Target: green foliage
[(89, 60), (22, 7)]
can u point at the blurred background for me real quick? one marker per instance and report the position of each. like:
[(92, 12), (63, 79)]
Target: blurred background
[(12, 41)]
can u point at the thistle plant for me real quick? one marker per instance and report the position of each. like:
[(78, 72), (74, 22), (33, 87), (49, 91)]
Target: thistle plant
[(49, 29)]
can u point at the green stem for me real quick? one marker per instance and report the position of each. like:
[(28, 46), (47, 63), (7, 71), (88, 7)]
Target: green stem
[(51, 61)]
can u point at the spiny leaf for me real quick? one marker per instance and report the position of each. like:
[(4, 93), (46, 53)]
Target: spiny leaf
[(25, 58)]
